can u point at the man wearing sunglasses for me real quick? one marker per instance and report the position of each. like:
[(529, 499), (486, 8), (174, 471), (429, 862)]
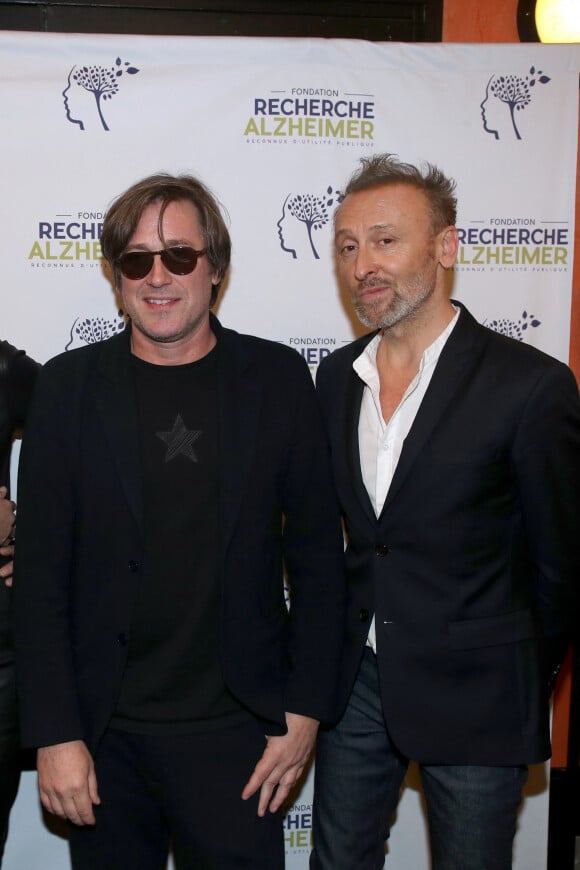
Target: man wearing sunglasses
[(170, 475)]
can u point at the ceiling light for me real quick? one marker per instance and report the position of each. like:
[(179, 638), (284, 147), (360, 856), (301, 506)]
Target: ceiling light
[(558, 20)]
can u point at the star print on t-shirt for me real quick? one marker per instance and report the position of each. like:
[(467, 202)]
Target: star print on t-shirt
[(180, 440)]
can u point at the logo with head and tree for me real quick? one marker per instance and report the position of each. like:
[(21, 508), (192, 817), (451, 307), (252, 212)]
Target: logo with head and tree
[(89, 88), (303, 215), (505, 97)]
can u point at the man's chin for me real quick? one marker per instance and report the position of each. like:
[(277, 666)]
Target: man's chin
[(373, 318)]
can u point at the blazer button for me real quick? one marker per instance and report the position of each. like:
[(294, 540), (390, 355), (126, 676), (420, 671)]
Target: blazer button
[(122, 639), (133, 566), (363, 614), (381, 550)]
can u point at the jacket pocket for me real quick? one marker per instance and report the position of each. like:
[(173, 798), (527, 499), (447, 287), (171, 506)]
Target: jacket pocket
[(492, 630)]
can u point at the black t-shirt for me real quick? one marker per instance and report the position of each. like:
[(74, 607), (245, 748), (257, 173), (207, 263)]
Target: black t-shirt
[(173, 682)]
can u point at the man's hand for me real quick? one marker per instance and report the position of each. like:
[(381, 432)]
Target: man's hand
[(6, 570), (7, 517), (282, 763), (67, 781)]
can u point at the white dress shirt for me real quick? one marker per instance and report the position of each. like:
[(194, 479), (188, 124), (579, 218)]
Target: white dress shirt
[(380, 443)]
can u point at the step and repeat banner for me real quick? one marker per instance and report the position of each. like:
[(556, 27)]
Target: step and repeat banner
[(275, 127)]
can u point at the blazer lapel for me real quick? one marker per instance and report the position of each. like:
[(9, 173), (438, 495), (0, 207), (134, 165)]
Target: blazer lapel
[(457, 359), (240, 397), (353, 399), (347, 398), (117, 404)]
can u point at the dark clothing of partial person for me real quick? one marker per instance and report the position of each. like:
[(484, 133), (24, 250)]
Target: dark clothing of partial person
[(151, 621), (471, 571), (17, 377)]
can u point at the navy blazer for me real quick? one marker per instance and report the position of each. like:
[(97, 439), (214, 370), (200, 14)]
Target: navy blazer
[(475, 557), (81, 539)]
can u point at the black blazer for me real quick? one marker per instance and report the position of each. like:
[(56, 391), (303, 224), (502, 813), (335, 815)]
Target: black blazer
[(18, 374), (80, 548), (476, 554)]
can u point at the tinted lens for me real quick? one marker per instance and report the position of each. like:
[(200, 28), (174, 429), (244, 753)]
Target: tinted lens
[(179, 260), (136, 264)]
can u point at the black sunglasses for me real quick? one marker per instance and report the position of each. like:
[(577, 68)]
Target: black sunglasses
[(179, 260)]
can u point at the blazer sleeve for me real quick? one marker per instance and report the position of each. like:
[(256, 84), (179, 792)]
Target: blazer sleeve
[(21, 381), (546, 456), (314, 559), (49, 711)]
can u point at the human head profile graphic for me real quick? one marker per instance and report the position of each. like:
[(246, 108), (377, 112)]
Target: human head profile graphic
[(88, 88), (505, 96), (303, 214)]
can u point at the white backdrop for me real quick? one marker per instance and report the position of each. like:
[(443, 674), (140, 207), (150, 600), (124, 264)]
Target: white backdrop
[(275, 127)]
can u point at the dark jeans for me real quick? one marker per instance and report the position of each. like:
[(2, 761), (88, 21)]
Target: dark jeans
[(180, 790), (472, 810), (9, 748)]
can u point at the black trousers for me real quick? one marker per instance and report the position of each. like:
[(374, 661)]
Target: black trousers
[(180, 792), (10, 757)]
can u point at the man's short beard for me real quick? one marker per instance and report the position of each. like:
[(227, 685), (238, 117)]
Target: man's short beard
[(407, 300), (374, 316)]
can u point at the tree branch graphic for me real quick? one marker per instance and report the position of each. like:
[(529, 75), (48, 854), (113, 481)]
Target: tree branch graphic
[(515, 91), (91, 330), (312, 211), (102, 83)]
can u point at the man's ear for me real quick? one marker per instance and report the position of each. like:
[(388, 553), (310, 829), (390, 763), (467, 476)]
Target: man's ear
[(449, 246)]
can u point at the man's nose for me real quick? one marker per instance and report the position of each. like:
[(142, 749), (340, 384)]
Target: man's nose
[(365, 263), (159, 273)]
